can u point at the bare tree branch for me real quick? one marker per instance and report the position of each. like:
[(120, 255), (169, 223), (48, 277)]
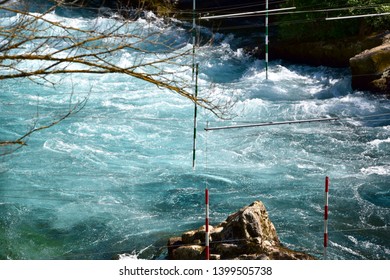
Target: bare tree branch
[(37, 47)]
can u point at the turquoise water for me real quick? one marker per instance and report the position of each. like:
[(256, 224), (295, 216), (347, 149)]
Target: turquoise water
[(118, 178)]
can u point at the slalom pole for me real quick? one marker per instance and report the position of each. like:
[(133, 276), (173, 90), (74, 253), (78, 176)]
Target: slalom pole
[(207, 230), (358, 16), (266, 39), (272, 11), (326, 217), (194, 76), (195, 116), (193, 38)]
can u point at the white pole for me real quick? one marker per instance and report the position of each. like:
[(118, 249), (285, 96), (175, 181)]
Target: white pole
[(248, 13)]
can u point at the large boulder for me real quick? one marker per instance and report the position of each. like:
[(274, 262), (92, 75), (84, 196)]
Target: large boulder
[(333, 53), (371, 69), (250, 224), (246, 234)]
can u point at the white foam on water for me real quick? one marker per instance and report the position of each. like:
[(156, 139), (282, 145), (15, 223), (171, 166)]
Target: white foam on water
[(377, 142), (378, 170), (123, 163)]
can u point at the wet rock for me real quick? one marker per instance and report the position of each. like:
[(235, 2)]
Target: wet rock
[(250, 224), (371, 69), (246, 234), (173, 243), (228, 250), (189, 252)]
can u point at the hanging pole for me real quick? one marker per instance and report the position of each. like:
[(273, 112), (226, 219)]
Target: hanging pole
[(193, 38), (195, 116), (207, 230), (266, 39), (326, 217), (194, 76), (270, 124), (248, 13), (359, 16)]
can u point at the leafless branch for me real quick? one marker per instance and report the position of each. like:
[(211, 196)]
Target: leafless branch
[(37, 47)]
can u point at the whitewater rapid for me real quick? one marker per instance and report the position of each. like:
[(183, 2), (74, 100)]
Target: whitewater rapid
[(118, 178)]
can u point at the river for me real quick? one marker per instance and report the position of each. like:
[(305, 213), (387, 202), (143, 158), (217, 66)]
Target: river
[(117, 177)]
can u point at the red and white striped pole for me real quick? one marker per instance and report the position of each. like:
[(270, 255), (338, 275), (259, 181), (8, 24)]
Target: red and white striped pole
[(326, 216), (207, 231)]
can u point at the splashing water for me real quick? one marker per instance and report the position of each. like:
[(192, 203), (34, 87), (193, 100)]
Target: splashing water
[(117, 177)]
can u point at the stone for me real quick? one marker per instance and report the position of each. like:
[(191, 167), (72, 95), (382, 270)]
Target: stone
[(247, 234), (189, 252), (250, 224), (253, 257), (173, 243), (383, 83), (215, 257), (370, 69), (188, 237), (216, 234), (193, 236), (228, 250), (282, 253)]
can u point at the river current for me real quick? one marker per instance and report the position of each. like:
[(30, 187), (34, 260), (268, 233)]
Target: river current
[(117, 177)]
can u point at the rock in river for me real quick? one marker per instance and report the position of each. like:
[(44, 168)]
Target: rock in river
[(371, 69), (247, 234)]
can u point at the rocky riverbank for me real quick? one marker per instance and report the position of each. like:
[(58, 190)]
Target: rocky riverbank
[(366, 53), (247, 234), (368, 58), (371, 68)]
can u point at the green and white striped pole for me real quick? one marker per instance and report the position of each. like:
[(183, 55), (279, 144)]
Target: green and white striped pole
[(193, 38), (195, 115), (266, 39), (194, 76)]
